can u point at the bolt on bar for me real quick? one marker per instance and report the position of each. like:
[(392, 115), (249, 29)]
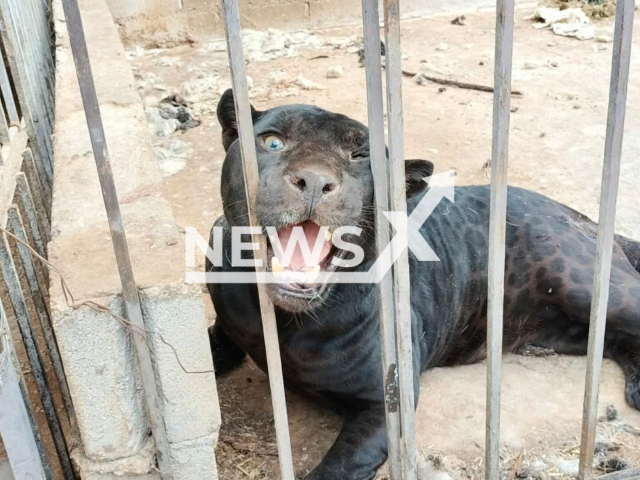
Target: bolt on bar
[(118, 236), (398, 203), (231, 16), (497, 228), (606, 226), (373, 69)]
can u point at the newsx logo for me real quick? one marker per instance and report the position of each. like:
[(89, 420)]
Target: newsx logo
[(407, 235)]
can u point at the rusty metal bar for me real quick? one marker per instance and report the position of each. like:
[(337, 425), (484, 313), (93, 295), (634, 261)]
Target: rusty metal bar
[(606, 225), (231, 16), (16, 295), (129, 289), (497, 228), (16, 227), (398, 203), (379, 165), (16, 425)]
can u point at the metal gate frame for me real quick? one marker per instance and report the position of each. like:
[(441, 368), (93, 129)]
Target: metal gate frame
[(395, 325)]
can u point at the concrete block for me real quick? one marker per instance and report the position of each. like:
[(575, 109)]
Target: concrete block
[(101, 371), (177, 315), (194, 459)]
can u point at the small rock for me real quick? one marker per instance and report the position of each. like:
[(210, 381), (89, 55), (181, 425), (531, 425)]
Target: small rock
[(442, 89), (279, 78), (461, 21), (150, 102), (443, 47), (530, 66), (307, 84), (538, 466), (335, 72), (570, 467), (612, 413), (553, 64), (604, 39), (514, 109), (523, 473), (420, 79)]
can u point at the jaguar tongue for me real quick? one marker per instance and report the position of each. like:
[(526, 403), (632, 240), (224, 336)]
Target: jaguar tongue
[(313, 235)]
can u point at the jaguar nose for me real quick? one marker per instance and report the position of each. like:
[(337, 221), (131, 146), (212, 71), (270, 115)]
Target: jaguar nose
[(312, 183)]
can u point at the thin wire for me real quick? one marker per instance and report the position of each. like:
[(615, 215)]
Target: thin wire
[(73, 304)]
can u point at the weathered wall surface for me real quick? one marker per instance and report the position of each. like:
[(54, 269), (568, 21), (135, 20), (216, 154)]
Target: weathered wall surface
[(165, 21), (96, 350)]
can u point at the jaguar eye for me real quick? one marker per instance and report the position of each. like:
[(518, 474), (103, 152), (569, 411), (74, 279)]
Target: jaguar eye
[(359, 155), (274, 143)]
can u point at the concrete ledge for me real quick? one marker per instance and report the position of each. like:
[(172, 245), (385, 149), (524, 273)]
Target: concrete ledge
[(97, 352)]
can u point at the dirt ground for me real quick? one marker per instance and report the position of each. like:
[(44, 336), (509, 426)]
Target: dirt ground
[(557, 143)]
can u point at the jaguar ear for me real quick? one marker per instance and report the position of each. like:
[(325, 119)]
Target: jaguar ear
[(227, 117), (416, 171)]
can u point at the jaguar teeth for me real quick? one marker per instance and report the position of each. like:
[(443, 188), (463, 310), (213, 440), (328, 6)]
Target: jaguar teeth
[(312, 274), (328, 235), (276, 267)]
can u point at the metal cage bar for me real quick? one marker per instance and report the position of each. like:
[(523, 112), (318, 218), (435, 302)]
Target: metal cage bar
[(606, 225), (18, 301), (398, 203), (497, 229), (16, 424), (118, 236), (375, 106), (231, 16), (36, 289)]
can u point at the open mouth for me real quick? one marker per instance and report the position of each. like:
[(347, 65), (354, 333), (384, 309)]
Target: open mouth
[(305, 250)]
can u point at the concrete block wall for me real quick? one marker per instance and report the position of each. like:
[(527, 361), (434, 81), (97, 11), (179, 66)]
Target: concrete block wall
[(96, 350), (168, 21)]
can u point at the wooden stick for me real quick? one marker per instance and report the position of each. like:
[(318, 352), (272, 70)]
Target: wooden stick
[(456, 83)]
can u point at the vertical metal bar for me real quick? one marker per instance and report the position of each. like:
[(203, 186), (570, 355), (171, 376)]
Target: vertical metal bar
[(231, 16), (16, 427), (24, 192), (606, 224), (17, 228), (398, 203), (7, 95), (38, 126), (10, 275), (118, 236), (497, 229), (40, 188), (373, 68), (4, 130)]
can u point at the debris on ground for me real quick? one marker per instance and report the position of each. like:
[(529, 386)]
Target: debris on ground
[(570, 22), (593, 8), (423, 79), (307, 84), (176, 107), (613, 464), (335, 72), (612, 413), (535, 351), (172, 156), (360, 52), (460, 21)]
